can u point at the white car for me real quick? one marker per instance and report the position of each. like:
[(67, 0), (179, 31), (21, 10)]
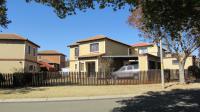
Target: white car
[(128, 71), (64, 71)]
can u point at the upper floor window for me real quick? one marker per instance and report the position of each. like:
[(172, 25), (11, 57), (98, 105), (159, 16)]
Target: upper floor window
[(143, 50), (129, 51), (76, 51), (29, 49), (34, 51), (175, 62), (94, 47)]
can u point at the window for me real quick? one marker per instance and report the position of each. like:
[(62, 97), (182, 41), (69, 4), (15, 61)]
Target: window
[(143, 50), (94, 47), (75, 66), (29, 49), (34, 51), (129, 51), (82, 66), (129, 68), (122, 69), (175, 62), (136, 66), (76, 51)]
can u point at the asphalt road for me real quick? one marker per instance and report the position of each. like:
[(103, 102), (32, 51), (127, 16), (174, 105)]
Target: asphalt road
[(65, 106)]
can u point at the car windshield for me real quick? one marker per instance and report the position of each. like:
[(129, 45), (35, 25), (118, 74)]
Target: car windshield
[(122, 68), (130, 67)]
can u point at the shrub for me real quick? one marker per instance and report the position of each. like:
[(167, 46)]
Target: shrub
[(2, 79), (194, 70)]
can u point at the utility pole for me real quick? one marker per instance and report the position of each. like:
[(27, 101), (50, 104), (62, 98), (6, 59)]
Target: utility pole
[(161, 65)]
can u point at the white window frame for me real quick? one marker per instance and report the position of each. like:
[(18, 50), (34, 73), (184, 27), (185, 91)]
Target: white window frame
[(92, 44), (142, 51), (76, 55), (174, 61)]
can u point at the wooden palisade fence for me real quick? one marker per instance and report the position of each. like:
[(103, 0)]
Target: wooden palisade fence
[(81, 78)]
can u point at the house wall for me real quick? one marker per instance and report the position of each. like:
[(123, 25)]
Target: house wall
[(51, 58), (31, 56), (14, 56), (11, 57), (28, 64), (167, 63), (84, 48), (85, 64), (72, 53), (143, 62), (31, 59), (114, 48), (72, 66), (11, 66), (73, 63), (72, 59), (12, 50), (153, 50)]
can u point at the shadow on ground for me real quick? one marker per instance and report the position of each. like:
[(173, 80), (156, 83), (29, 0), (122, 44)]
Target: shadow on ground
[(21, 90), (172, 101)]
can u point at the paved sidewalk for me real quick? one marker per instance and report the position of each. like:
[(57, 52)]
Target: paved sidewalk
[(65, 98)]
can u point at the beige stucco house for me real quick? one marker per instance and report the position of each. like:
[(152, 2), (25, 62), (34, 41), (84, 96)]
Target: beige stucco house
[(98, 53), (17, 54)]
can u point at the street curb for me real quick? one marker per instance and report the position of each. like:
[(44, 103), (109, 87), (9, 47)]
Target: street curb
[(65, 99)]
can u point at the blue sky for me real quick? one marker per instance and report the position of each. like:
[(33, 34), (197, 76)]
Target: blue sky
[(41, 25)]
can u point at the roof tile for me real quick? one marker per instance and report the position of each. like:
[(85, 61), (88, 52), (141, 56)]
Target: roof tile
[(142, 44)]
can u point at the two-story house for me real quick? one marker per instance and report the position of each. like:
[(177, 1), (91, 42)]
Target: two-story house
[(99, 53), (86, 55), (52, 57), (17, 54)]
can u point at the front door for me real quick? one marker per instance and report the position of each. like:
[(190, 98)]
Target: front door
[(91, 68)]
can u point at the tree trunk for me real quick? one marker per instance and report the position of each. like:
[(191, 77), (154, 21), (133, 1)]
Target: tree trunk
[(181, 72)]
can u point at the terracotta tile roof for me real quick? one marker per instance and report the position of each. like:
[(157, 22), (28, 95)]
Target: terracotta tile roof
[(97, 37), (11, 37), (142, 44), (15, 37), (51, 52), (45, 64)]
